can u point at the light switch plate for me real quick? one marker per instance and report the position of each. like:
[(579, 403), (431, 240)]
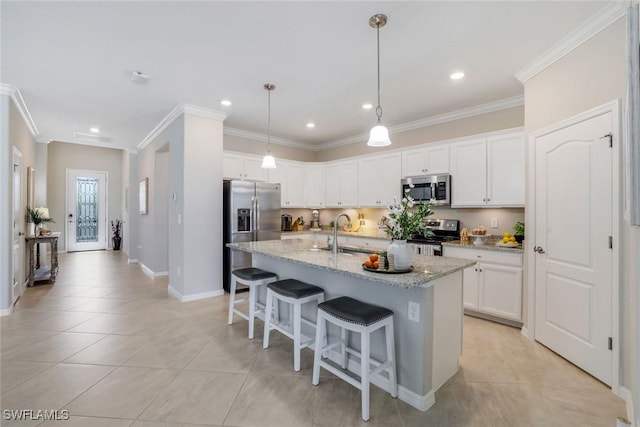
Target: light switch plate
[(494, 222), (414, 311)]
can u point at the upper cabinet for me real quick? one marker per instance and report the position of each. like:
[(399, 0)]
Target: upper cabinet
[(341, 184), (314, 183), (379, 180), (425, 161), (291, 177), (488, 172), (235, 166)]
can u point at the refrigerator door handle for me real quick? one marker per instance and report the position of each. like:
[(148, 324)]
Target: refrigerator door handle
[(253, 218), (257, 216)]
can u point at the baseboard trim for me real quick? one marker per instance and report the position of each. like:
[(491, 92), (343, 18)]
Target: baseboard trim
[(193, 297), (132, 261), (625, 394), (161, 273), (6, 311), (149, 272), (525, 333), (422, 403)]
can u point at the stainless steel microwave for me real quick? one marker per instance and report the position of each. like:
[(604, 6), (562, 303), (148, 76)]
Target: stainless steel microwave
[(434, 188)]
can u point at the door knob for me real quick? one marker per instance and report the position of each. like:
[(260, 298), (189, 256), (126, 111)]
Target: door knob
[(538, 249), (20, 233)]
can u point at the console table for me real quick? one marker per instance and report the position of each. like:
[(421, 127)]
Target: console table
[(35, 271)]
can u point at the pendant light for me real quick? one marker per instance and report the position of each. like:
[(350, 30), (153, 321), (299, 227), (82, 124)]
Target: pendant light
[(379, 135), (269, 162)]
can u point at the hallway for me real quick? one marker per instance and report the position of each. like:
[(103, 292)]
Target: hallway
[(109, 345)]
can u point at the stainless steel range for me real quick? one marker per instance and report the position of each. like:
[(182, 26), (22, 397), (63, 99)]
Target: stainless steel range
[(443, 230)]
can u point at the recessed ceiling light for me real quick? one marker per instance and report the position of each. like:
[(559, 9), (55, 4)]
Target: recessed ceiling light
[(457, 75), (139, 77), (95, 130), (225, 102), (367, 106), (311, 125)]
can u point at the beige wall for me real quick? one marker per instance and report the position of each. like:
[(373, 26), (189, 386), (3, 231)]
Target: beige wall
[(498, 120), (589, 76), (63, 156), (244, 145)]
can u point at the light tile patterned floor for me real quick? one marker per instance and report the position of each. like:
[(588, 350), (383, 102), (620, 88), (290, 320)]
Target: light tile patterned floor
[(108, 344)]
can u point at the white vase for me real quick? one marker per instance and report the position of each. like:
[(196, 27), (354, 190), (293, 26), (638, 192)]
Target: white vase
[(31, 229), (402, 254)]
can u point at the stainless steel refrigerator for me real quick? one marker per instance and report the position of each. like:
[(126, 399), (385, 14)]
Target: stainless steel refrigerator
[(251, 213)]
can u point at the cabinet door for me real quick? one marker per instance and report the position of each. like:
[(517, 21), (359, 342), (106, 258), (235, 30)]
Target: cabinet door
[(469, 173), (332, 185), (437, 159), (505, 170), (413, 162), (349, 184), (296, 186), (253, 170), (232, 166), (389, 172), (470, 287), (500, 291), (279, 176), (368, 182), (315, 185)]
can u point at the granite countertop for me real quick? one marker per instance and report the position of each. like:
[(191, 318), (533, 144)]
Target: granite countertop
[(371, 233), (425, 268), (489, 245)]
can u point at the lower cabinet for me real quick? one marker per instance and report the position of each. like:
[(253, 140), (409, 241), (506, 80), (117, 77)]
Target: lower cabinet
[(494, 284)]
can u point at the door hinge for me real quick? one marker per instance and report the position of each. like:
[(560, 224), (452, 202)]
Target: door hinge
[(610, 343), (610, 242), (610, 136)]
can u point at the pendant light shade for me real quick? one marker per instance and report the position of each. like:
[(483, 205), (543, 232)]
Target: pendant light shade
[(268, 161), (379, 135)]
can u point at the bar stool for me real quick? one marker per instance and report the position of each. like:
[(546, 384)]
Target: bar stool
[(251, 277), (295, 293), (352, 315)]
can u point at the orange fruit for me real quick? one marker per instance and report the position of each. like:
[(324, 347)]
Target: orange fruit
[(368, 263), (374, 257), (376, 264)]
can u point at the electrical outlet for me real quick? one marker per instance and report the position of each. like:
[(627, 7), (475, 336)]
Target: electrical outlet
[(414, 311), (494, 222), (179, 219), (178, 270)]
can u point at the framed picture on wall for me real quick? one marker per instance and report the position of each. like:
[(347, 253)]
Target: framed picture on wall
[(31, 187), (144, 196)]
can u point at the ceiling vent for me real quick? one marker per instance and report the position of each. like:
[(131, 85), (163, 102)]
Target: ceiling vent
[(139, 77), (87, 137)]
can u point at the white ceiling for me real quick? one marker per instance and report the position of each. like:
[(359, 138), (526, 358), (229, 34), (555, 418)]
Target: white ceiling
[(71, 61)]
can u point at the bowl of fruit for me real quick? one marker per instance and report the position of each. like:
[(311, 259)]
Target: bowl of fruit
[(379, 263), (508, 241)]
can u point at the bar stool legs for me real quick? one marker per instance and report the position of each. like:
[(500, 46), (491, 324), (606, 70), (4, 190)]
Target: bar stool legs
[(252, 277)]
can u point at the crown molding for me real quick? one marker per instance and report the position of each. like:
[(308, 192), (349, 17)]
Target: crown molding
[(177, 111), (589, 28), (263, 138), (15, 95), (477, 110)]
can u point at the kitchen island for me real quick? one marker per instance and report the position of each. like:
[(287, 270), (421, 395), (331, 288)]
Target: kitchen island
[(427, 348)]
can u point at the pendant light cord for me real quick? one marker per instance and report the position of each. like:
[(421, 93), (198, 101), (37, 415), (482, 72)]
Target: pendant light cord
[(378, 108), (269, 124)]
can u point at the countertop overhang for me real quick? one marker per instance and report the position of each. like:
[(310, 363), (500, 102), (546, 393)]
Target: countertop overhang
[(426, 269)]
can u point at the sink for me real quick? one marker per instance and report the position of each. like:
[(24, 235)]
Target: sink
[(350, 250)]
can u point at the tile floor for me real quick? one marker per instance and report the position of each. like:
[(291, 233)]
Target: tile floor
[(108, 344)]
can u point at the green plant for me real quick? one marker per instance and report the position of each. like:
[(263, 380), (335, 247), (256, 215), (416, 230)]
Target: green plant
[(518, 229), (38, 216), (404, 221)]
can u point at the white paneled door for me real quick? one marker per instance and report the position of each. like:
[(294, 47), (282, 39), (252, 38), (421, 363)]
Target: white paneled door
[(17, 233), (573, 260), (86, 214)]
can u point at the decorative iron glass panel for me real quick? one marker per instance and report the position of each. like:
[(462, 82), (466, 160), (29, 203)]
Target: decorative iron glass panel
[(87, 210)]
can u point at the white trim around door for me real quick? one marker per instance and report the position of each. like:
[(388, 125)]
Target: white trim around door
[(101, 241), (612, 107)]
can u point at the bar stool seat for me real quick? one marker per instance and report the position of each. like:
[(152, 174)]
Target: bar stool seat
[(352, 315), (251, 277), (295, 293)]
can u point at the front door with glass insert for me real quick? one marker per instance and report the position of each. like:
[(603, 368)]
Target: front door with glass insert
[(86, 210)]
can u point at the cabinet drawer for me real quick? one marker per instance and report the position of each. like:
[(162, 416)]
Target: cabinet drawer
[(482, 255)]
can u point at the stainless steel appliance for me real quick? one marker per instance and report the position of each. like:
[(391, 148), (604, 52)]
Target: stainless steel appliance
[(285, 222), (436, 188), (443, 230), (251, 213)]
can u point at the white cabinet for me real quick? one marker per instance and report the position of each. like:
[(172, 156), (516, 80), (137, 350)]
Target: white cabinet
[(341, 184), (379, 180), (488, 172), (314, 183), (494, 284), (291, 177), (235, 166), (425, 161)]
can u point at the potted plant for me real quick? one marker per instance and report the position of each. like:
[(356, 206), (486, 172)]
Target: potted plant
[(116, 228), (518, 231), (37, 217), (403, 223)]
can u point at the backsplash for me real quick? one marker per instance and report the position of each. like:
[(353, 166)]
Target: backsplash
[(468, 217)]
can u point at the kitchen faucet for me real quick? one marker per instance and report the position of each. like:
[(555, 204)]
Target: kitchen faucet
[(334, 248)]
